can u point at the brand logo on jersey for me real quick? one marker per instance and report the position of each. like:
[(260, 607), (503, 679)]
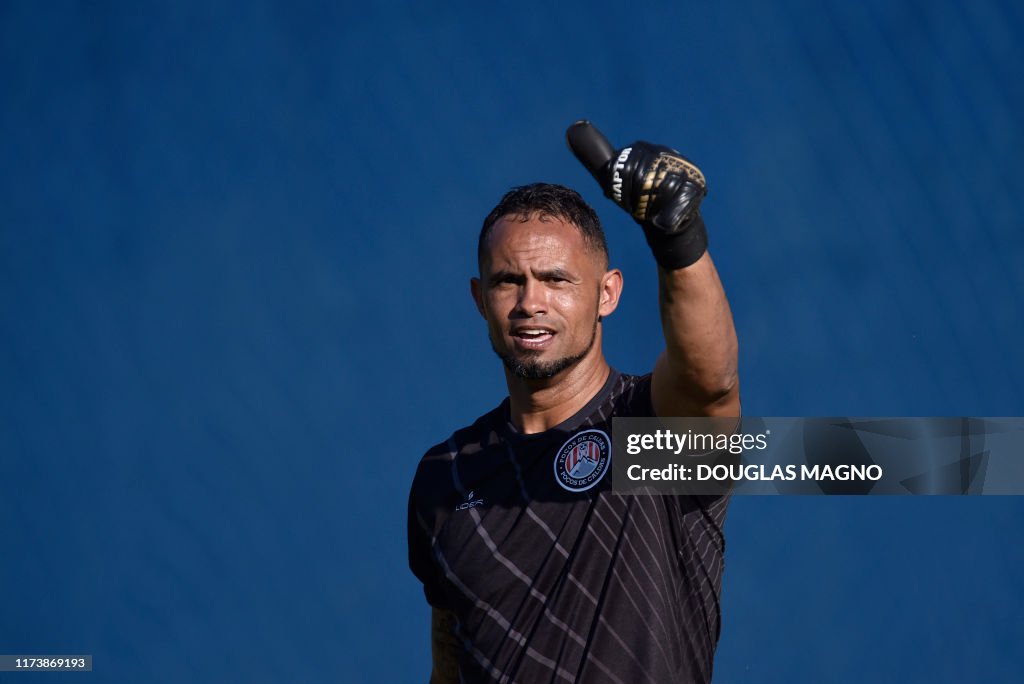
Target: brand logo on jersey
[(583, 460), (469, 502)]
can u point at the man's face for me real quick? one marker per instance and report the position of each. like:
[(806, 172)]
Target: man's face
[(542, 290)]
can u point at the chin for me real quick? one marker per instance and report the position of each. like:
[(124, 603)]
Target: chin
[(533, 367)]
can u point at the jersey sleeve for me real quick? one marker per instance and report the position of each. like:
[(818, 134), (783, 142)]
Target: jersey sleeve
[(635, 400), (421, 556)]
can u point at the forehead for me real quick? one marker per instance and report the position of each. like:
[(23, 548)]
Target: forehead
[(512, 241)]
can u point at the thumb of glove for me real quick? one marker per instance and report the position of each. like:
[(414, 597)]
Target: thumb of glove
[(592, 149)]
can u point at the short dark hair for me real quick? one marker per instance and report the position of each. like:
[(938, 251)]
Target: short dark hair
[(547, 200)]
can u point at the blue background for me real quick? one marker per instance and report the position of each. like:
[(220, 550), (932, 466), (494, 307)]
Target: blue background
[(234, 311)]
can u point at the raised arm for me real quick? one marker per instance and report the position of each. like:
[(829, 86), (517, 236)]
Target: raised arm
[(696, 375)]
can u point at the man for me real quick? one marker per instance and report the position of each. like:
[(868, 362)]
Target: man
[(534, 569)]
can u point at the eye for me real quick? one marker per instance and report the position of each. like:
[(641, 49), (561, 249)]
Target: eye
[(505, 280)]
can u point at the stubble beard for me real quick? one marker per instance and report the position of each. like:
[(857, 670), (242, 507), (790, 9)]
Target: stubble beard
[(535, 369)]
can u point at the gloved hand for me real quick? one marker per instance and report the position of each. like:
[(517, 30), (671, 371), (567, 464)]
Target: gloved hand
[(660, 189)]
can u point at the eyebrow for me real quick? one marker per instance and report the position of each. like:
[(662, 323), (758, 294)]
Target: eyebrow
[(550, 273), (546, 274)]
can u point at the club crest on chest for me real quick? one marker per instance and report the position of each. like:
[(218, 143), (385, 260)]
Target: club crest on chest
[(583, 460)]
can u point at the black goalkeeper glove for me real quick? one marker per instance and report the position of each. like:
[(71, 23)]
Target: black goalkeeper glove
[(660, 189)]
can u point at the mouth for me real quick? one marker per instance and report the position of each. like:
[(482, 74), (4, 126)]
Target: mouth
[(532, 338)]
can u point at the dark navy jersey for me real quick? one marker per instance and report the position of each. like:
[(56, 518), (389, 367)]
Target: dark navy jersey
[(551, 576)]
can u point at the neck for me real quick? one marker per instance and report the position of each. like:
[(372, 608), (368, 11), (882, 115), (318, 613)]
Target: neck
[(539, 405)]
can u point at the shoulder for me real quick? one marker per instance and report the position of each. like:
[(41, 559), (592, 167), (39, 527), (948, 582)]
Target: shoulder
[(631, 395), (436, 477)]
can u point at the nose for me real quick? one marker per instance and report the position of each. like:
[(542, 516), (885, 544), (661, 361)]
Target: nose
[(532, 300)]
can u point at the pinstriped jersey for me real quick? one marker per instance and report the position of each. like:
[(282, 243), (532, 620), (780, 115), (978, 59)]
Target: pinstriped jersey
[(551, 576)]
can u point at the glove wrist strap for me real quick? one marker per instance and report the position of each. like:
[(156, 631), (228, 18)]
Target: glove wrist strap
[(681, 249)]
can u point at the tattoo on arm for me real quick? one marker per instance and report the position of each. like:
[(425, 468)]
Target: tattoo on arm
[(444, 647)]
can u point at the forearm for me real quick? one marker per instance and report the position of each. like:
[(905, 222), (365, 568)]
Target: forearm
[(697, 373)]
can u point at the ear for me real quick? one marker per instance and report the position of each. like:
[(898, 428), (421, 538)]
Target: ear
[(611, 290), (474, 289)]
